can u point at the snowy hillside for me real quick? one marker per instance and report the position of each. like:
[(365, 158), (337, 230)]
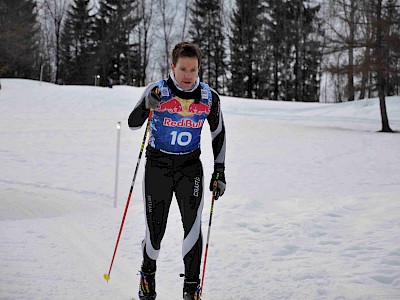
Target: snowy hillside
[(311, 211)]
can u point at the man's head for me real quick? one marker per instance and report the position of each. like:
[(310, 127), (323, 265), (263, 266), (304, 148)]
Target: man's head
[(186, 57), (186, 49)]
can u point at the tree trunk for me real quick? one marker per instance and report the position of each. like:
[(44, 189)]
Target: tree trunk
[(350, 71), (365, 71), (380, 69)]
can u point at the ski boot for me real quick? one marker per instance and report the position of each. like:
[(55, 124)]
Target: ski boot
[(191, 290), (147, 287)]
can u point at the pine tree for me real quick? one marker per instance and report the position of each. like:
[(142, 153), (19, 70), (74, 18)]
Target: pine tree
[(277, 46), (18, 39), (113, 52), (104, 36), (293, 57), (308, 51), (207, 31), (245, 47), (76, 45)]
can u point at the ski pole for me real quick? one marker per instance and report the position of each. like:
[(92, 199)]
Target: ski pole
[(208, 234), (107, 275)]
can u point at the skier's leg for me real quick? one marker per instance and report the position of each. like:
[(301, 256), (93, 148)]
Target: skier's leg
[(189, 193), (157, 189)]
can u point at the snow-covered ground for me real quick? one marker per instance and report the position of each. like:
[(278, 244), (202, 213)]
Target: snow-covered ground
[(311, 211)]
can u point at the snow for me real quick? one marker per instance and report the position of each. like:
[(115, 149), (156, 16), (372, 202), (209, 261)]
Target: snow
[(311, 210)]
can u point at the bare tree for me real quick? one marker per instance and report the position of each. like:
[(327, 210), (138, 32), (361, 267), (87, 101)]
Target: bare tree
[(185, 19), (168, 14), (145, 14), (367, 35), (344, 26), (351, 17), (55, 11)]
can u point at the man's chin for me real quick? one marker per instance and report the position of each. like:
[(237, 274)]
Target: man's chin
[(186, 86)]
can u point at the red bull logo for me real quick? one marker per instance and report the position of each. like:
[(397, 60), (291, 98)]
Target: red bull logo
[(183, 107), (199, 108), (172, 106), (185, 123)]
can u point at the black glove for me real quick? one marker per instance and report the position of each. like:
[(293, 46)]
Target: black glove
[(218, 183), (152, 99)]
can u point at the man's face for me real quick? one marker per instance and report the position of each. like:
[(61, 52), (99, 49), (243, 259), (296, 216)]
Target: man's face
[(186, 71)]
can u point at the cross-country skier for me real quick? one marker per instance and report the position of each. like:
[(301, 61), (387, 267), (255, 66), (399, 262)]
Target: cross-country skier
[(180, 106)]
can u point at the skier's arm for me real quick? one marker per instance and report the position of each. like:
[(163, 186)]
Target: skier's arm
[(140, 113), (217, 128)]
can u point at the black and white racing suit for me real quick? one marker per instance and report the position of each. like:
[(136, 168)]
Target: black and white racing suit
[(173, 166)]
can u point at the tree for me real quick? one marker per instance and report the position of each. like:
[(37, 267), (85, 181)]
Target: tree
[(381, 65), (345, 24), (306, 50), (141, 45), (19, 39), (291, 51), (56, 10), (392, 16), (277, 44), (245, 47), (367, 36), (206, 30), (185, 19), (352, 39), (115, 21), (168, 14), (76, 45)]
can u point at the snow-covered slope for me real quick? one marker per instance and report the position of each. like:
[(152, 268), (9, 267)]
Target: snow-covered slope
[(311, 211)]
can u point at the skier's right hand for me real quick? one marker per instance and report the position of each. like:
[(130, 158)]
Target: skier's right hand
[(152, 99)]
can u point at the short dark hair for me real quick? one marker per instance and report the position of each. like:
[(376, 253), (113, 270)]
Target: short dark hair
[(186, 49)]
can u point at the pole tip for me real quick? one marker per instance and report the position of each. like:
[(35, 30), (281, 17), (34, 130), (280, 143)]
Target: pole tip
[(106, 277)]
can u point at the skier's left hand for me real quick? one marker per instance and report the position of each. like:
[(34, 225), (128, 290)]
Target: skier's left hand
[(218, 177)]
